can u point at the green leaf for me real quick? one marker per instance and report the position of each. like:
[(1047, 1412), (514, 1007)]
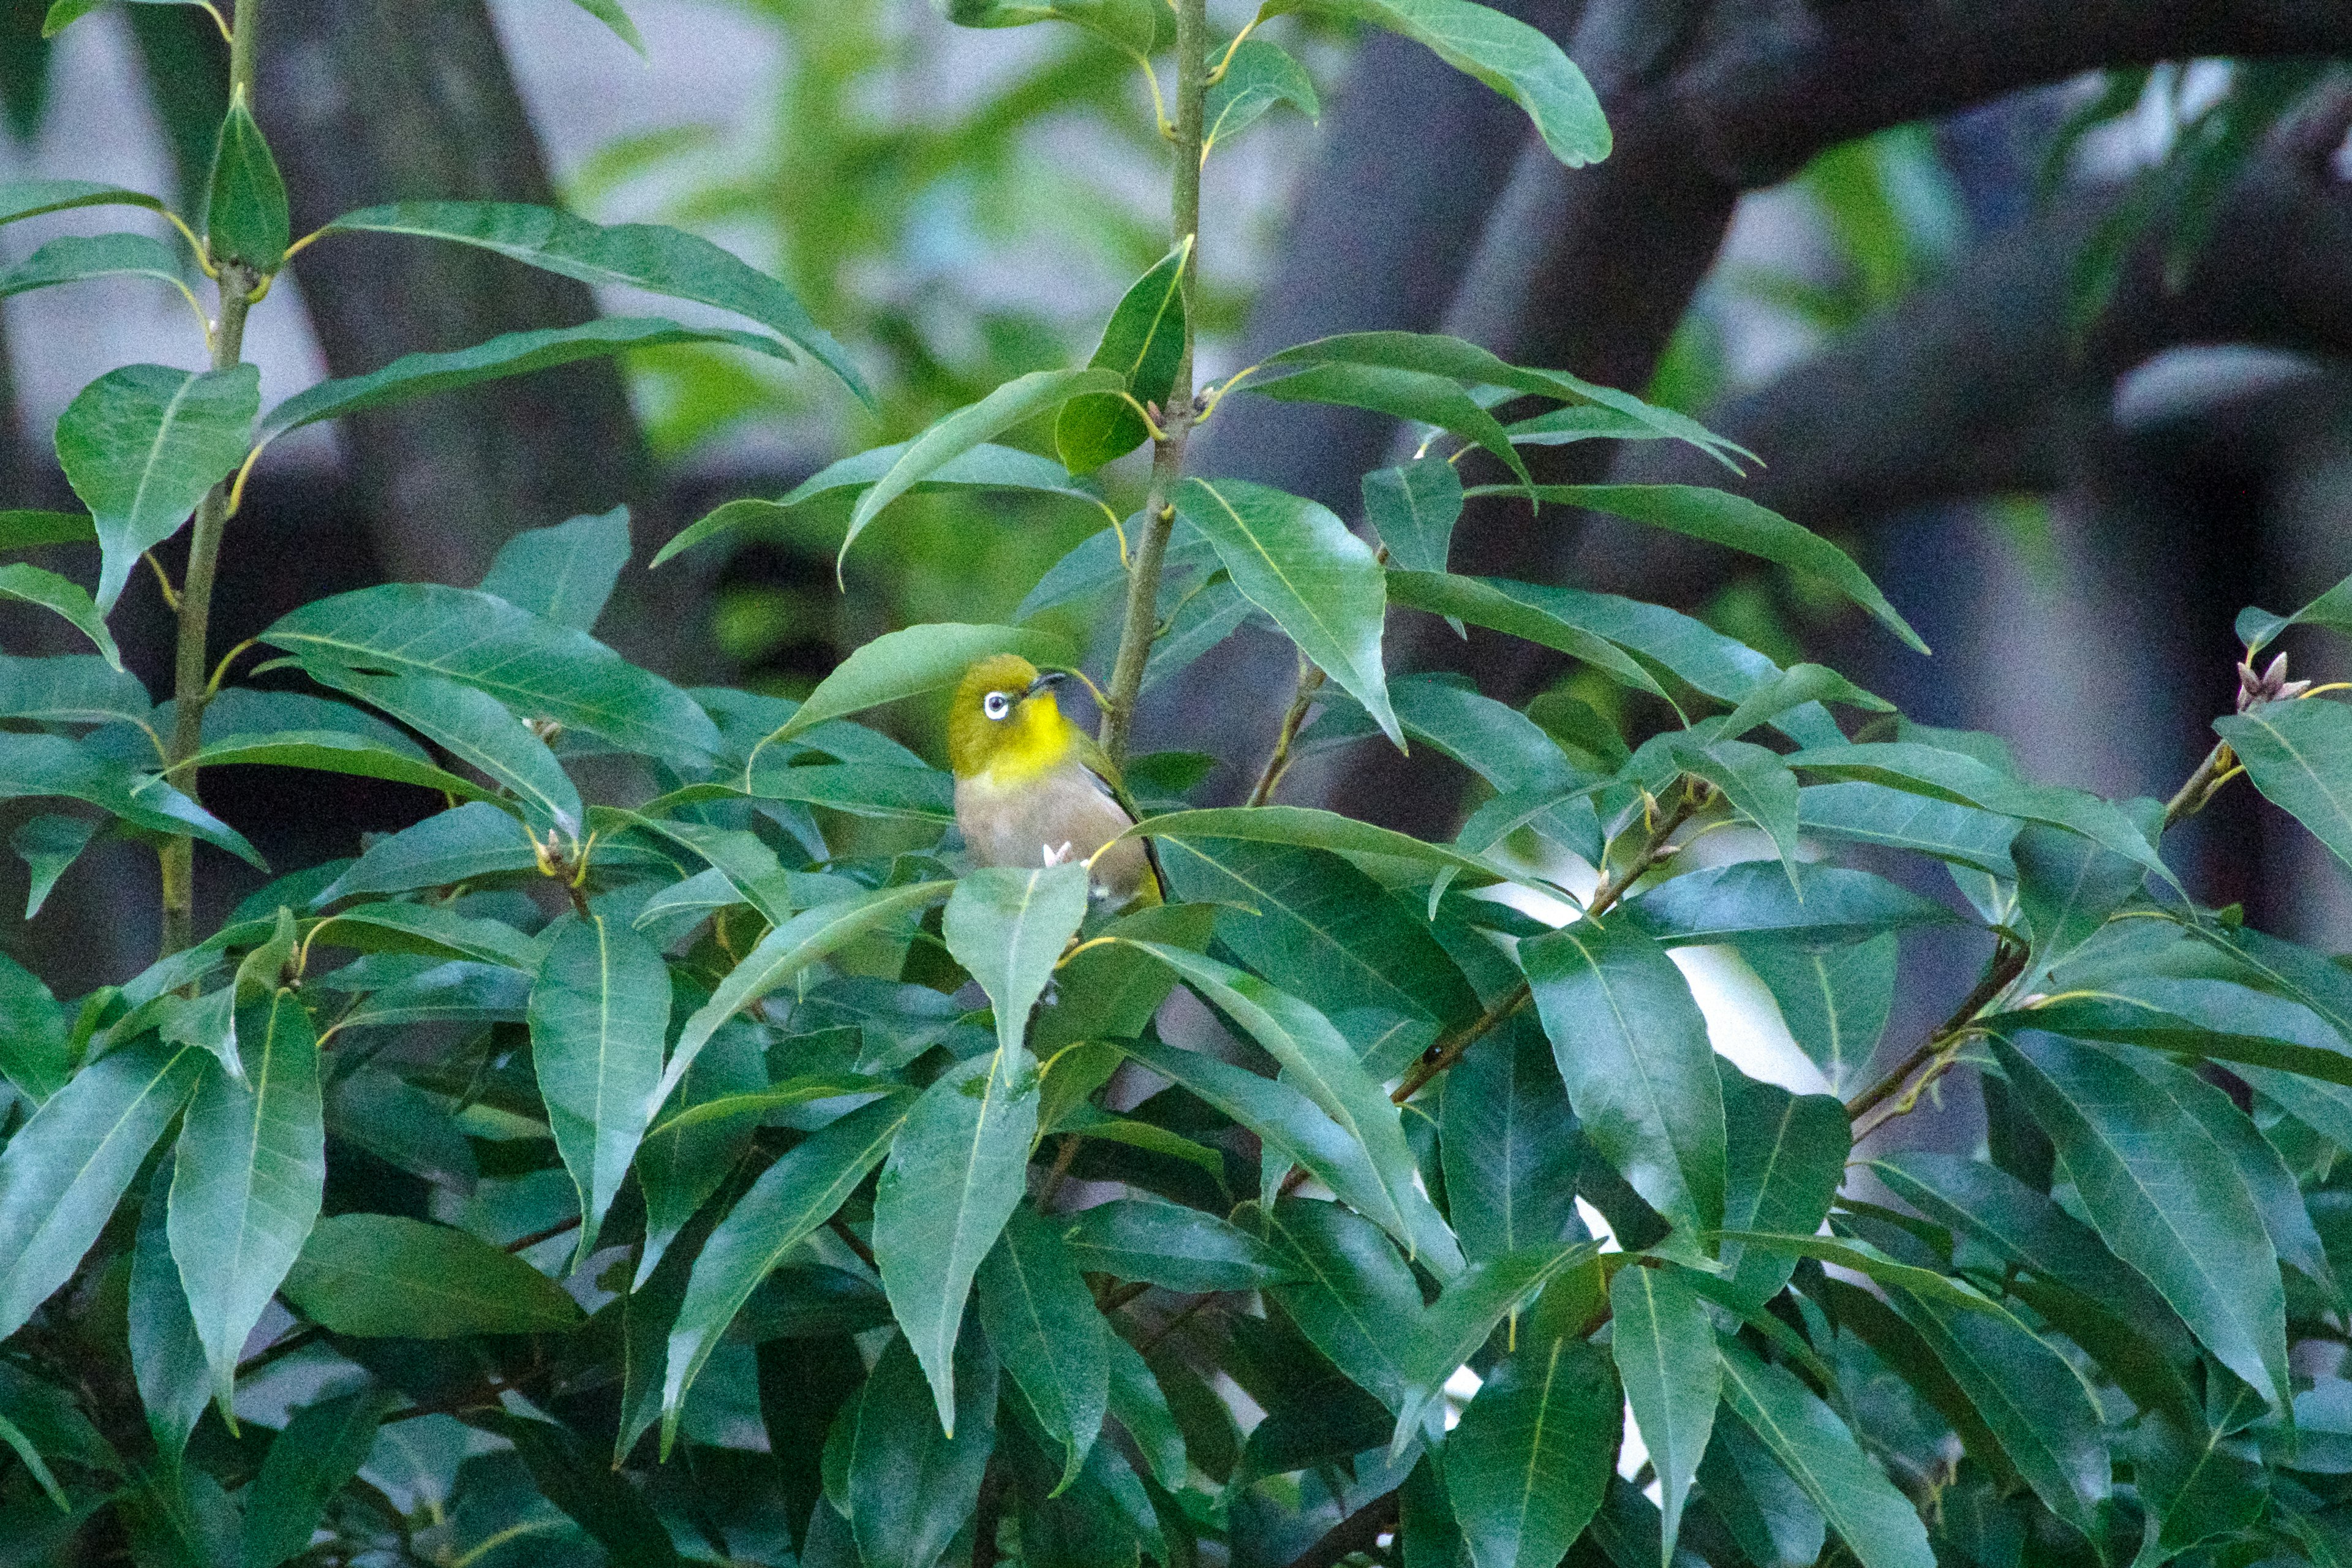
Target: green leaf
[(958, 433), (35, 1053), (71, 689), (51, 592), (1510, 1146), (910, 662), (1041, 1321), (13, 1436), (2299, 754), (451, 847), (658, 260), (1413, 510), (209, 1024), (2163, 1195), (1144, 344), (167, 1359), (318, 1454), (1199, 623), (1297, 561), (1308, 828), (1413, 395), (1834, 1000), (563, 573), (1354, 1299), (2067, 887), (142, 445), (1939, 774), (75, 259), (576, 1478), (1129, 24), (62, 1174), (332, 751), (538, 669), (1733, 521), (1533, 1456), (695, 1143), (1752, 780), (1318, 1059), (1144, 1237), (433, 929), (609, 11), (1897, 819), (792, 1199), (1465, 1316), (48, 846), (2268, 1181), (599, 1012), (245, 220), (1664, 1342), (373, 1276), (1505, 53), (251, 1168), (2259, 629), (953, 1176), (1008, 927), (1097, 563), (417, 375), (2033, 1401), (1828, 905), (912, 1482), (1137, 1403), (1877, 1522), (784, 953), (1765, 1511), (1799, 684), (31, 198), (1518, 610), (983, 468), (1633, 1052), (1257, 76), (1784, 1156)]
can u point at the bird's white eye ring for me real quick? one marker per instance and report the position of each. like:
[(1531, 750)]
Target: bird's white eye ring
[(996, 705)]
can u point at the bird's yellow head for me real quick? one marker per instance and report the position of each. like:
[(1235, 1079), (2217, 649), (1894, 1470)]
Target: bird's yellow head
[(1004, 721)]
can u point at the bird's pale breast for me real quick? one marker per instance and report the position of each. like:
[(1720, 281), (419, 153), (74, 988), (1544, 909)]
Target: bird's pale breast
[(1065, 815)]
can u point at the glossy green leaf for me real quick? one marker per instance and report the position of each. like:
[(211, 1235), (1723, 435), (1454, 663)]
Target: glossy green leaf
[(167, 1358), (1765, 1511), (1948, 776), (35, 1054), (536, 667), (207, 1023), (2259, 629), (983, 468), (953, 1176), (451, 847), (689, 1153), (1354, 1298), (1097, 563), (72, 689), (330, 751), (1751, 898), (1415, 396), (1632, 1050), (63, 1173), (1041, 1321), (406, 1126), (1510, 1145), (1144, 1237), (651, 257), (1799, 683), (49, 845), (2163, 1195), (142, 445), (1877, 1522), (792, 1199), (2067, 887), (580, 1481), (2272, 1186), (918, 659), (563, 573), (321, 1448), (35, 586), (2299, 754), (13, 1437), (31, 198), (1257, 76), (1007, 927), (1505, 53), (1143, 343), (1517, 609), (1466, 1315), (2033, 1401), (609, 11), (599, 1013), (784, 953), (22, 530), (246, 217), (1532, 1458), (1663, 1343), (1311, 828), (386, 1276), (1753, 782), (1297, 561), (1873, 813), (1784, 1156), (1039, 392), (428, 928), (1137, 1403), (1198, 623), (417, 375), (1834, 1000), (1413, 510), (1318, 1060), (251, 1168), (911, 1482), (1721, 517)]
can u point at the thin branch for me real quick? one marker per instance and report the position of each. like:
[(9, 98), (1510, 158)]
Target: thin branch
[(2008, 962), (1278, 760), (561, 1227)]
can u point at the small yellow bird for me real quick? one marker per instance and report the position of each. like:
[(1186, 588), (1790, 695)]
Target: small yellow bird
[(1032, 788)]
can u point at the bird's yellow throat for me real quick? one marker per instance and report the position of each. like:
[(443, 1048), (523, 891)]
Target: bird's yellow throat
[(1032, 739)]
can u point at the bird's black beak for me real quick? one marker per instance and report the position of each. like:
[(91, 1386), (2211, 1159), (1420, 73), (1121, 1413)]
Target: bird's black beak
[(1046, 682)]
